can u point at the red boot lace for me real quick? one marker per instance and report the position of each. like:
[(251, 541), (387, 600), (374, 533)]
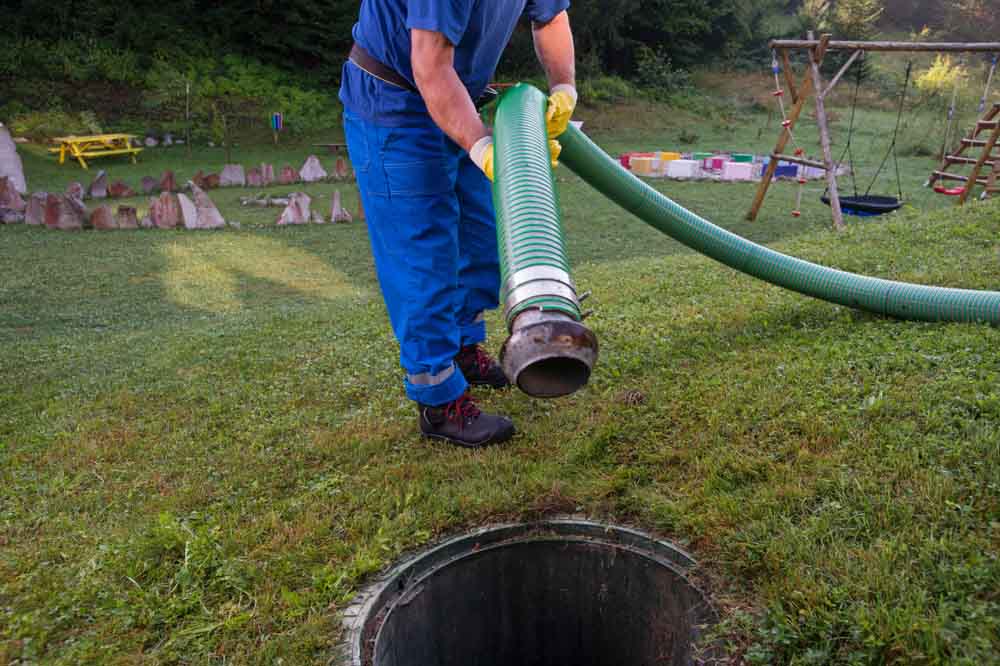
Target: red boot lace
[(483, 360), (462, 408)]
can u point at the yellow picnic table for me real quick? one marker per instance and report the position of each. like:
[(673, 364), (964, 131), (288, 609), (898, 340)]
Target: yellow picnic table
[(97, 145)]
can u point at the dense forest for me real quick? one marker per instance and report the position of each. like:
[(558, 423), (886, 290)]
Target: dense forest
[(140, 58)]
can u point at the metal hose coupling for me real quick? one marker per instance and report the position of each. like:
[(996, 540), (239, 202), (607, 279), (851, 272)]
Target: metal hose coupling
[(549, 353)]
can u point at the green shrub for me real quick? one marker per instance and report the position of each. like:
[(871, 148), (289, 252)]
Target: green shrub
[(41, 125), (606, 89), (657, 76)]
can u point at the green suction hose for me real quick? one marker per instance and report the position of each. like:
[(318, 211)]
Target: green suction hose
[(550, 352), (886, 297), (533, 266)]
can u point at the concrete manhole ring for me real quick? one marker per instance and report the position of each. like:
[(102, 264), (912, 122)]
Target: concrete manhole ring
[(555, 592)]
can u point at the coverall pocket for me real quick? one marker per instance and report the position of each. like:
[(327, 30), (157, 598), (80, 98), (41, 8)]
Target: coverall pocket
[(415, 179)]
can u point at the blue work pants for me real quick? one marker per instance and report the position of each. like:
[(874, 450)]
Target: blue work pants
[(430, 220)]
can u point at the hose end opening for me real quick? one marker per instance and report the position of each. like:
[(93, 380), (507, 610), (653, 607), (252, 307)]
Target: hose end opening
[(549, 354)]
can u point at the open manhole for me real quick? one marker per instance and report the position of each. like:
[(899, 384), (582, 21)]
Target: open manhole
[(555, 593)]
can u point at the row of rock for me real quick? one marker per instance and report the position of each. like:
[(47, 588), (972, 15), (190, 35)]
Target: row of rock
[(299, 210), (68, 212), (232, 175)]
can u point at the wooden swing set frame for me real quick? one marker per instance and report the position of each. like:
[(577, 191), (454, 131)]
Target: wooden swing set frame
[(813, 86)]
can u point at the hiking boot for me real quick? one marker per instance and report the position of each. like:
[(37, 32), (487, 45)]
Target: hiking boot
[(460, 422), (481, 369)]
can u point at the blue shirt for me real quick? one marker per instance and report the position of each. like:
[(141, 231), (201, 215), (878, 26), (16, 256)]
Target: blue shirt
[(479, 30)]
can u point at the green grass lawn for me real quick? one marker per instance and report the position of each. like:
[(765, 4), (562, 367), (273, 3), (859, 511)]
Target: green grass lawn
[(205, 449)]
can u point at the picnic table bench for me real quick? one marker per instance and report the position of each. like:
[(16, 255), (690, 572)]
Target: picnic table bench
[(97, 145)]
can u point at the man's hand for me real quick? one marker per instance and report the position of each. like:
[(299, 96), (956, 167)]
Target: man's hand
[(482, 154), (562, 102)]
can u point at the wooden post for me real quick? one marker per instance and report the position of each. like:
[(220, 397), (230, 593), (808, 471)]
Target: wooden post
[(786, 135), (974, 176), (786, 63), (824, 131)]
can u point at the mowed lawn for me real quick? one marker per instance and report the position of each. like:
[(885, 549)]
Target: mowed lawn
[(205, 449)]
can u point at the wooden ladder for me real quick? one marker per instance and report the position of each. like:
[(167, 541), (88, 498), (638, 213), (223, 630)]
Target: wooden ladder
[(990, 122)]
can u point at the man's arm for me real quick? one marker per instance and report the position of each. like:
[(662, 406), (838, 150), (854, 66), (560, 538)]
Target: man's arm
[(433, 60), (555, 50)]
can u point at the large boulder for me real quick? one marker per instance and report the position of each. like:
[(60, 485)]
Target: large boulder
[(127, 218), (312, 171), (288, 176), (297, 211), (35, 212), (99, 187), (164, 211), (189, 214), (337, 212), (10, 198), (233, 176), (63, 213), (10, 161), (102, 219), (209, 216)]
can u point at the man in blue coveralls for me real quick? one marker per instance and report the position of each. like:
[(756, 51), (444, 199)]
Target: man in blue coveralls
[(423, 158)]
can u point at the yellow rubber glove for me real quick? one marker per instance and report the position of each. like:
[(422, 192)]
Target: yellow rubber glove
[(555, 148), (482, 154), (562, 103)]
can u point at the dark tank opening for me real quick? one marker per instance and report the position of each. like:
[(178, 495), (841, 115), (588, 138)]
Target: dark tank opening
[(566, 593)]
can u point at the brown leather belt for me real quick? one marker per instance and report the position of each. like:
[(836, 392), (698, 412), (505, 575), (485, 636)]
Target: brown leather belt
[(367, 63)]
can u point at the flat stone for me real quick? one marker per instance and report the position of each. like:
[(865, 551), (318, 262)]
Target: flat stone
[(10, 198), (255, 178), (288, 176), (127, 218), (189, 214), (312, 171), (165, 211), (149, 185), (102, 219), (62, 213), (8, 216), (99, 188), (297, 210), (120, 190), (211, 182), (34, 214), (209, 216), (233, 176), (168, 183), (267, 173), (10, 161), (337, 212)]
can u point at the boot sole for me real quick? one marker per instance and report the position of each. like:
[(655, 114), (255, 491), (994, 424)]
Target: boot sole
[(470, 445)]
